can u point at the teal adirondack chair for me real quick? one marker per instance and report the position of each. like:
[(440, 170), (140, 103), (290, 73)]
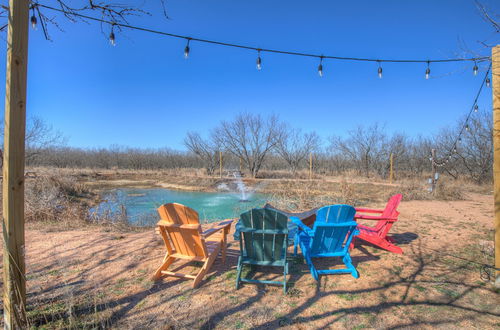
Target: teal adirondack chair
[(331, 236), (263, 241)]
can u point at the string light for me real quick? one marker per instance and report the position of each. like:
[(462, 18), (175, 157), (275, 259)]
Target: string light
[(476, 108), (467, 128), (474, 69), (112, 39), (33, 19), (428, 71), (487, 81), (277, 51), (186, 49), (320, 67), (259, 60), (379, 70)]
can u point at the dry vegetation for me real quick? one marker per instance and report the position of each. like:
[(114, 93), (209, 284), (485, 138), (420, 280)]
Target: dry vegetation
[(99, 278)]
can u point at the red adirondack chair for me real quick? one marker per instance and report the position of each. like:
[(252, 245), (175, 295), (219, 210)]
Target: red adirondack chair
[(378, 235)]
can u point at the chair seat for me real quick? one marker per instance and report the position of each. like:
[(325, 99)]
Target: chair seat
[(212, 246), (247, 260), (366, 229)]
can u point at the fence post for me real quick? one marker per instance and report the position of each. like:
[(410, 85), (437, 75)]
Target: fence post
[(391, 173), (310, 165), (495, 75), (14, 282)]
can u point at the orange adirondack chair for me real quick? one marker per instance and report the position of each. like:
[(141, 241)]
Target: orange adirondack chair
[(181, 231), (386, 218)]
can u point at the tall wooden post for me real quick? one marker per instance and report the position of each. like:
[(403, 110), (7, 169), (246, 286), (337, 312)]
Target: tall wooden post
[(241, 165), (220, 164), (433, 163), (391, 173), (14, 298), (310, 166), (495, 75)]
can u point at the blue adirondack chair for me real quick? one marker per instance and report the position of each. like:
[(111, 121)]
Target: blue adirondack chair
[(331, 236), (263, 241)]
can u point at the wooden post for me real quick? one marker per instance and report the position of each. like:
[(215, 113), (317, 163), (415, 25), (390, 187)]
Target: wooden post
[(310, 166), (220, 164), (495, 75), (14, 298), (433, 163), (391, 173), (241, 165)]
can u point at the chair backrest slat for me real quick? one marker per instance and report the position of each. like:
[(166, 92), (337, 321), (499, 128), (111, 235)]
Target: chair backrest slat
[(382, 227), (268, 243), (333, 230), (183, 228)]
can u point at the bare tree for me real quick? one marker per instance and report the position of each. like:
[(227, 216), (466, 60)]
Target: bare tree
[(250, 138), (295, 146), (39, 137), (474, 155), (206, 150), (363, 146)]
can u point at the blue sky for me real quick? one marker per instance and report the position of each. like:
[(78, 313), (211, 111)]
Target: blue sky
[(143, 93)]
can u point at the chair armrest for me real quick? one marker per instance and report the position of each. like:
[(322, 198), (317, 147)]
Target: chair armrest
[(359, 209), (210, 232), (223, 225), (301, 225), (373, 217)]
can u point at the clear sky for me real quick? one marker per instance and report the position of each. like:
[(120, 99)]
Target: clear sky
[(143, 93)]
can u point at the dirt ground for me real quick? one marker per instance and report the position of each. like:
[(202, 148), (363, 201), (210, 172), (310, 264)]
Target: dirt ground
[(97, 277)]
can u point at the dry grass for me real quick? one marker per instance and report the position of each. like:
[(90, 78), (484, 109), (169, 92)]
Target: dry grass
[(446, 190)]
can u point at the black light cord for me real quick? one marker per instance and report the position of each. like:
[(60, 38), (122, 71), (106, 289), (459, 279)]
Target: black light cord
[(452, 150), (269, 50)]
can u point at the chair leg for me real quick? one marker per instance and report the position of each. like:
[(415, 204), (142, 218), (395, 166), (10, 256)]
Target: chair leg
[(353, 242), (285, 271), (224, 248), (167, 261), (238, 275), (312, 269), (295, 244), (205, 268), (348, 262), (391, 247)]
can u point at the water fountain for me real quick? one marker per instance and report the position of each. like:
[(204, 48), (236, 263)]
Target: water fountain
[(245, 193)]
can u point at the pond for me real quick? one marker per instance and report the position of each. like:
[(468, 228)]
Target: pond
[(138, 206)]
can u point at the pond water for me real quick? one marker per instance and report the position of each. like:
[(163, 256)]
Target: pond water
[(138, 206)]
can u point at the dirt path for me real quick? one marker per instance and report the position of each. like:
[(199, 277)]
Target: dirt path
[(88, 278)]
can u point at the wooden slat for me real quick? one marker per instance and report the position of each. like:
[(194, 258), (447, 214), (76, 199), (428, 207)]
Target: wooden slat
[(176, 225), (186, 257), (167, 273)]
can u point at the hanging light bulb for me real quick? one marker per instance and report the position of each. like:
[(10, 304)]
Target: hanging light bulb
[(186, 49), (428, 71), (259, 60), (454, 150), (33, 19), (487, 81), (459, 139), (474, 69), (467, 128), (320, 67), (476, 108), (379, 70), (112, 39)]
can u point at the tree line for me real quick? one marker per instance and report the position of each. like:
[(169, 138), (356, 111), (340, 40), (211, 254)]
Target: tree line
[(256, 142)]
